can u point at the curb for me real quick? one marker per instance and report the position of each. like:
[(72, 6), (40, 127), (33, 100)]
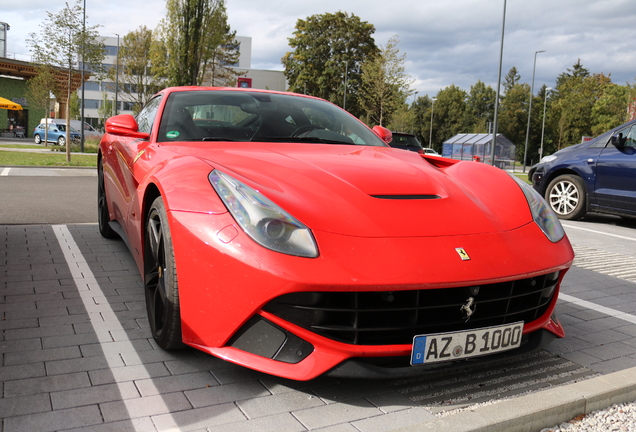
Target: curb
[(539, 410)]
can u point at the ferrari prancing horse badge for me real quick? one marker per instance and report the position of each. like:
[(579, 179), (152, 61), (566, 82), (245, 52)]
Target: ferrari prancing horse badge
[(462, 254)]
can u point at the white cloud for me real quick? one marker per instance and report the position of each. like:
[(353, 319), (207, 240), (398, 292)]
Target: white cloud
[(445, 42)]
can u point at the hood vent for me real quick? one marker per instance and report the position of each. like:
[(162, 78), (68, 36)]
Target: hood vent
[(407, 197)]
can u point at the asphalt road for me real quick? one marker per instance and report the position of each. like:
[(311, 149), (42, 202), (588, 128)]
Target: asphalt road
[(48, 195)]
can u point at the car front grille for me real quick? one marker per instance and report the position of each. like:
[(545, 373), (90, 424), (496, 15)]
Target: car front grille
[(394, 317)]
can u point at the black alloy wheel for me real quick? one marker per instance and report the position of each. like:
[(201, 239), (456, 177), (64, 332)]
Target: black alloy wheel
[(102, 206), (160, 280)]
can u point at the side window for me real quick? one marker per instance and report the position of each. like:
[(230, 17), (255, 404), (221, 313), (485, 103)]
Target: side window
[(146, 117), (631, 138)]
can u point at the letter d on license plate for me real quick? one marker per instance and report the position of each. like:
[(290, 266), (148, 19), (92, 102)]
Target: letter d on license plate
[(465, 344)]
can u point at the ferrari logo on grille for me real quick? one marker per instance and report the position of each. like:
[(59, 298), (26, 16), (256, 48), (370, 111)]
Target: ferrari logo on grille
[(462, 254)]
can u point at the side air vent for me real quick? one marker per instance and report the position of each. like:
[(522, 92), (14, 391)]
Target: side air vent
[(407, 197)]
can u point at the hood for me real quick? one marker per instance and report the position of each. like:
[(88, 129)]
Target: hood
[(371, 191)]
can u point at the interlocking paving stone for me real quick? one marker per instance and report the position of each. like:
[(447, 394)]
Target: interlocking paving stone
[(65, 368)]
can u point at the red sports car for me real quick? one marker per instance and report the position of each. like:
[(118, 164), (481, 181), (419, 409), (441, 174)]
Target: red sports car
[(278, 232)]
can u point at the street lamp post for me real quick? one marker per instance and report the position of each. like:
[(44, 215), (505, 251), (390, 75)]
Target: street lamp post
[(344, 98), (83, 83), (117, 75), (494, 123), (525, 151), (413, 107), (545, 99), (430, 137)]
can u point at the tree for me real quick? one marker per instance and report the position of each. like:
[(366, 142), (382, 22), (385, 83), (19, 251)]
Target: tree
[(328, 52), (62, 42), (39, 89), (195, 35), (225, 52), (513, 116), (610, 109), (106, 108), (511, 79), (385, 84), (480, 108), (577, 92), (449, 110), (137, 70)]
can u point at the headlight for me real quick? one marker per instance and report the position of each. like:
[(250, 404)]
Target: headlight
[(542, 214), (547, 159), (265, 222)]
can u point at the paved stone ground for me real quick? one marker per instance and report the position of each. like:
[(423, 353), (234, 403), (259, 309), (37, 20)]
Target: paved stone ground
[(77, 353)]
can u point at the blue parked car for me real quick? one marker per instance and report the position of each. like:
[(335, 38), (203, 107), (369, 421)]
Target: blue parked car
[(57, 134), (598, 175)]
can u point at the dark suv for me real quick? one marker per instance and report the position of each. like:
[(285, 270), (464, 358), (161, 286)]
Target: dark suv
[(405, 141), (598, 175)]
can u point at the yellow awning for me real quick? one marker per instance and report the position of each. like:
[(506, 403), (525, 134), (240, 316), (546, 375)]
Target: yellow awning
[(7, 104)]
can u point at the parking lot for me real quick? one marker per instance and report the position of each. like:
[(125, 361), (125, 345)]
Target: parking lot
[(77, 353)]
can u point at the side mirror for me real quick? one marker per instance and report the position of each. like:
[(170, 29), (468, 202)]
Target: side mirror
[(618, 140), (125, 125), (384, 134)]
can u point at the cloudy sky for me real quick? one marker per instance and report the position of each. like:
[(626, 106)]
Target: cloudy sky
[(445, 42)]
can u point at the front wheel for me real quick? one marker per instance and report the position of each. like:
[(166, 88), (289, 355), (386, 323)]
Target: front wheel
[(103, 216), (566, 196), (160, 280), (61, 141), (37, 139)]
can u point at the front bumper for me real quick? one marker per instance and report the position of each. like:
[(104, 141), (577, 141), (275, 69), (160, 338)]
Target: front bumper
[(225, 280)]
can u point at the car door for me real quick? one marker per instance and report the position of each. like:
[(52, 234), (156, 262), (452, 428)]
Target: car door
[(615, 183), (121, 154)]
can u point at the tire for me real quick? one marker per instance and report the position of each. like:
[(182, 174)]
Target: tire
[(103, 216), (37, 138), (61, 141), (566, 196), (160, 280)]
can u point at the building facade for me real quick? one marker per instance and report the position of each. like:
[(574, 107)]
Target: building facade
[(99, 96)]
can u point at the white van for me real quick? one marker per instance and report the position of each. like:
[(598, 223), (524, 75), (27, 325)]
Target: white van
[(89, 131)]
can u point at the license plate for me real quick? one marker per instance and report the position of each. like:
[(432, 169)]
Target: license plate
[(449, 346)]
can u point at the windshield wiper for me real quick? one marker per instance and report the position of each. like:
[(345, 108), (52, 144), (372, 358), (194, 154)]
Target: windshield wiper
[(220, 139), (311, 140)]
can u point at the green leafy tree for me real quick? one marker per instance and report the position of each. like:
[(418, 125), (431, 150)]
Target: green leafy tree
[(326, 61), (577, 92), (421, 117), (449, 110), (106, 109), (39, 89), (225, 52), (137, 76), (513, 116), (193, 34), (511, 79), (63, 42), (610, 109), (480, 108), (385, 84)]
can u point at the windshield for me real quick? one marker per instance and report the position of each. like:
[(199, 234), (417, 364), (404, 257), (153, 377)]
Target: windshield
[(252, 116)]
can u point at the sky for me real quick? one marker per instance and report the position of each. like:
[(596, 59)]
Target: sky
[(446, 42)]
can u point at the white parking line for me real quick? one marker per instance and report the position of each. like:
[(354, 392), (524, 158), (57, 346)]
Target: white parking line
[(89, 289), (599, 232), (5, 172), (602, 309)]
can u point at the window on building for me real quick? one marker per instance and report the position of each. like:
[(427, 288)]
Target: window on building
[(128, 106), (91, 103), (91, 85), (110, 50)]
